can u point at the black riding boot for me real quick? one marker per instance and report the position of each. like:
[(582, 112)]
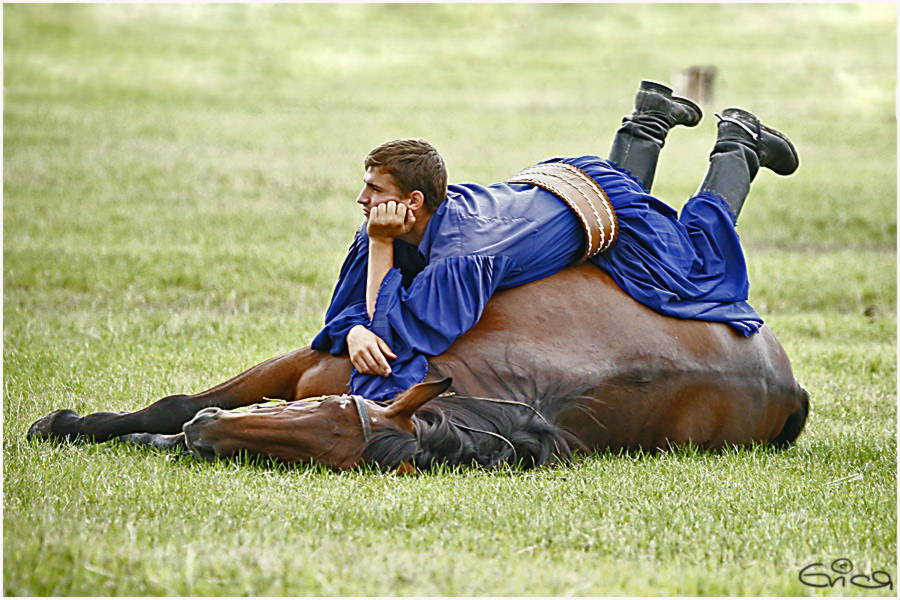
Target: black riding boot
[(742, 147), (642, 134)]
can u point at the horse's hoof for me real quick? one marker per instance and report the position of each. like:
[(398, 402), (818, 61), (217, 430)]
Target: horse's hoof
[(43, 427), (193, 437)]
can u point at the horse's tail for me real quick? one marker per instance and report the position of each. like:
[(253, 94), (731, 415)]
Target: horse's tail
[(794, 424)]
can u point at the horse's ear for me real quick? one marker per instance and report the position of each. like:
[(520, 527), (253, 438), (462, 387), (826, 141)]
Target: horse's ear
[(412, 399)]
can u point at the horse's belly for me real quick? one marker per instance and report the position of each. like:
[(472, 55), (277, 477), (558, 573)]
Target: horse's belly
[(618, 374)]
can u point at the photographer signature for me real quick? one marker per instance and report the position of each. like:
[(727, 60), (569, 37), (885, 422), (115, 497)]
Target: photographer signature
[(816, 575)]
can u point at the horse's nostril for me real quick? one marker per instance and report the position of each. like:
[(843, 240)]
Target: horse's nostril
[(210, 412), (200, 419)]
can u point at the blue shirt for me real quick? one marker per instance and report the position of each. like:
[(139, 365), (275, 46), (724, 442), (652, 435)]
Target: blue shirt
[(485, 238)]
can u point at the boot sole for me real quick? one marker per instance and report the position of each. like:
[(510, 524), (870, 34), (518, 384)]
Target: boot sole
[(790, 144), (685, 102)]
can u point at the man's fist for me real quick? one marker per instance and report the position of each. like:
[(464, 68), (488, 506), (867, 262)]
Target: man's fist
[(368, 352), (389, 221)]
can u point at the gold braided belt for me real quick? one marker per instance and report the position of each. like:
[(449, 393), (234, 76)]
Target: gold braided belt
[(583, 195)]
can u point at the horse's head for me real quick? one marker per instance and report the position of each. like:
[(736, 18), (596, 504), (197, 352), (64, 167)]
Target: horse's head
[(332, 431)]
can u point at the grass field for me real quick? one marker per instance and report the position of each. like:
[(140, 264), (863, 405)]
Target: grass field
[(178, 197)]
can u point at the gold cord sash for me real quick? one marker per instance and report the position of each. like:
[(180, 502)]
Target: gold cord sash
[(581, 194)]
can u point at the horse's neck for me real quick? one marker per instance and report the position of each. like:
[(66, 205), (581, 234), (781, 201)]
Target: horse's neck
[(487, 376), (482, 380)]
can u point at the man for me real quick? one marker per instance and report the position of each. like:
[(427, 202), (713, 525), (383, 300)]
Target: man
[(428, 257)]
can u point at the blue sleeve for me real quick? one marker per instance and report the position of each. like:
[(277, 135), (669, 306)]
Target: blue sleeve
[(348, 302), (443, 301)]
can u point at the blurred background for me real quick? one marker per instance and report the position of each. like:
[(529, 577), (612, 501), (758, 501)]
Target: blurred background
[(163, 127)]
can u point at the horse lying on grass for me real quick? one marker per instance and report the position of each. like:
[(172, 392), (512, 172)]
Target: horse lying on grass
[(566, 363)]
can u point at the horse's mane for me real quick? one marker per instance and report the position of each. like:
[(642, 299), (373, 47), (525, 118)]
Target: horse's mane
[(459, 430)]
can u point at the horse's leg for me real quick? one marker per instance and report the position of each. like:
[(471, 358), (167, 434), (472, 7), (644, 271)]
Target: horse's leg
[(290, 376)]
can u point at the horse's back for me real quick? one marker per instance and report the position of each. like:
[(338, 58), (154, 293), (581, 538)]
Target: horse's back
[(614, 373)]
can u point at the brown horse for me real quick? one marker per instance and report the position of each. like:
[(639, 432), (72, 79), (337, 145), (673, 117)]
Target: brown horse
[(567, 362)]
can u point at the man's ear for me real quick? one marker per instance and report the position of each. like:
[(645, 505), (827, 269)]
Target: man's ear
[(416, 200), (408, 402)]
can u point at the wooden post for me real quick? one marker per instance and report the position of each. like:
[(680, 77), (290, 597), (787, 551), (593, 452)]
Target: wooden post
[(696, 82)]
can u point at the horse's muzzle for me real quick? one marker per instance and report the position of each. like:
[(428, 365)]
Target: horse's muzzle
[(193, 433)]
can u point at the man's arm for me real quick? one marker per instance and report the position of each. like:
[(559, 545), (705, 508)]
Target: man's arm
[(381, 260), (368, 352)]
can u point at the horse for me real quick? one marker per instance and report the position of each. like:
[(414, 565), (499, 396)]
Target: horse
[(569, 363)]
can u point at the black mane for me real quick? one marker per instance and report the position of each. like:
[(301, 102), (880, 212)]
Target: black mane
[(458, 430)]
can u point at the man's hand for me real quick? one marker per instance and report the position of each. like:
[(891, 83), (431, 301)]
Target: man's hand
[(389, 221), (368, 351)]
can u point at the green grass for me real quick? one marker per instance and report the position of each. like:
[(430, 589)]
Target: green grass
[(178, 197)]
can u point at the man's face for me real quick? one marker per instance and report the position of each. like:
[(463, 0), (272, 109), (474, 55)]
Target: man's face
[(379, 188)]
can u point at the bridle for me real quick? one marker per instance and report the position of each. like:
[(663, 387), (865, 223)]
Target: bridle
[(405, 467), (363, 413)]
